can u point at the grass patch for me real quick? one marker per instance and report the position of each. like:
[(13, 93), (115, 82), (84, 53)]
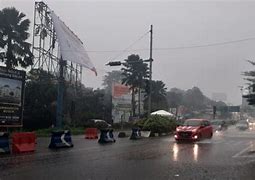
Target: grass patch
[(47, 132)]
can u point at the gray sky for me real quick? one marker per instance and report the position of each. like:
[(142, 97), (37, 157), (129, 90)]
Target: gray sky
[(114, 25)]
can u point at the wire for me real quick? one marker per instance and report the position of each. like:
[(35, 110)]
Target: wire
[(208, 45), (176, 48), (131, 45)]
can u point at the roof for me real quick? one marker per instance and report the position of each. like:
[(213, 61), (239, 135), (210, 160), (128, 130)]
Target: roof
[(162, 113)]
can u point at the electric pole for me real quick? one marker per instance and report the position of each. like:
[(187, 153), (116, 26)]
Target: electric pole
[(61, 81), (150, 78)]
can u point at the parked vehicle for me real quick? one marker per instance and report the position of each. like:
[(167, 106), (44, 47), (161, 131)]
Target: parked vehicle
[(194, 130), (97, 123)]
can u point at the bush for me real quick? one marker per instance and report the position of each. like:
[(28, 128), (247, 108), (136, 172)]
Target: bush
[(157, 124), (47, 132), (126, 125), (140, 123)]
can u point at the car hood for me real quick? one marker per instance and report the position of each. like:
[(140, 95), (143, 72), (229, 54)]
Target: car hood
[(187, 128)]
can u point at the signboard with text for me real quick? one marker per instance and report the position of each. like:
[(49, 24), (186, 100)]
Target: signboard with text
[(11, 97), (121, 100)]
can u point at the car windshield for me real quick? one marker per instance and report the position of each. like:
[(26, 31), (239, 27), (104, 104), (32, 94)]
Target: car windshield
[(192, 123)]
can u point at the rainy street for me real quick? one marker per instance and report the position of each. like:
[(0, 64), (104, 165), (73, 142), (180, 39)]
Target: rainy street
[(228, 155)]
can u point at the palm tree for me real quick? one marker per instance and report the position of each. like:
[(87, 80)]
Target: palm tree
[(134, 73), (14, 50), (111, 77), (158, 95)]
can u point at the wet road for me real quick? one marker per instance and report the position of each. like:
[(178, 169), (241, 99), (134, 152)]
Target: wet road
[(228, 155)]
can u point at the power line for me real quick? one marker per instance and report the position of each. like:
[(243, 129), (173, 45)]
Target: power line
[(174, 48), (131, 45), (208, 45)]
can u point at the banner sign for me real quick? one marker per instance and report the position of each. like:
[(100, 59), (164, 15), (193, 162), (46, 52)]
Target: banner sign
[(71, 47), (11, 97), (121, 100), (229, 108)]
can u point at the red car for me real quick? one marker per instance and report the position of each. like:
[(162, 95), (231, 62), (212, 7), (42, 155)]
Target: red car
[(194, 129)]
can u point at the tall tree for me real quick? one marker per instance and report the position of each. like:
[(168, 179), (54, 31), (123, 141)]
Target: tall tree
[(250, 77), (175, 98), (194, 99), (40, 100), (158, 95), (14, 50), (111, 77), (134, 73)]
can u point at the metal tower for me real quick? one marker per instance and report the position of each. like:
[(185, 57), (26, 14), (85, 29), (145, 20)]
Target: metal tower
[(46, 49)]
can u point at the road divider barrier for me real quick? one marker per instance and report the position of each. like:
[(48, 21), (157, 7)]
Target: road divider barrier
[(23, 142), (61, 139), (145, 134), (91, 133), (136, 134), (121, 135), (4, 143), (106, 136)]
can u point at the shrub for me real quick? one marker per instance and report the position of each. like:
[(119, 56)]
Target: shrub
[(139, 123), (157, 124), (126, 125)]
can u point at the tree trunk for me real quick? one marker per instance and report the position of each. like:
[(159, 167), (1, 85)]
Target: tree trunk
[(139, 102), (133, 102), (8, 62)]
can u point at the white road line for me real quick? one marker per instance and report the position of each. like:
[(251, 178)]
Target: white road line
[(241, 152)]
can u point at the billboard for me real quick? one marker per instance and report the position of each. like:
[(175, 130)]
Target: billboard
[(11, 97), (121, 100)]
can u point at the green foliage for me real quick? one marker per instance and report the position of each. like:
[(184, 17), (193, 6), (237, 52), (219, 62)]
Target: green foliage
[(125, 125), (193, 99), (47, 132), (13, 35), (40, 100), (110, 78), (250, 77), (134, 73), (158, 95), (140, 123), (157, 124)]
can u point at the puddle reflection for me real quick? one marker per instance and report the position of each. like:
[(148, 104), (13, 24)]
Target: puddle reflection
[(177, 154)]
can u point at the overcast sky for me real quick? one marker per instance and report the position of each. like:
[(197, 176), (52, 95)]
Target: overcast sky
[(114, 25)]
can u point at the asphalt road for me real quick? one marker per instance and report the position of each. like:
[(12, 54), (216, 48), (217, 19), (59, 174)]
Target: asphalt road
[(228, 155)]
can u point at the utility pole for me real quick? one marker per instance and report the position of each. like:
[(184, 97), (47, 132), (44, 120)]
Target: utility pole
[(150, 80), (59, 118)]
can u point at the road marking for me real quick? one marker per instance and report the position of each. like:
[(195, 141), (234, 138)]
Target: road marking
[(242, 152)]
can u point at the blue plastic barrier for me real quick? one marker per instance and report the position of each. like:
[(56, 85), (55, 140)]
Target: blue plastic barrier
[(61, 139), (106, 136), (4, 143), (136, 134)]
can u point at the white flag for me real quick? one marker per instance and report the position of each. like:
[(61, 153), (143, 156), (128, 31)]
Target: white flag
[(71, 47)]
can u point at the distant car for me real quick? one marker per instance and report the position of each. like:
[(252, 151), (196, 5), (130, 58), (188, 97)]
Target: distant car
[(98, 123), (251, 123), (194, 130), (218, 125), (242, 125)]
